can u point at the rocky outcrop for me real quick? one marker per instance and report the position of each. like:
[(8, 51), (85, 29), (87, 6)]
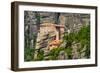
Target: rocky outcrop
[(62, 55), (75, 52), (42, 28)]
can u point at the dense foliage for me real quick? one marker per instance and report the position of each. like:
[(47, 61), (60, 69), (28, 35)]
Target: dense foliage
[(28, 54), (82, 37)]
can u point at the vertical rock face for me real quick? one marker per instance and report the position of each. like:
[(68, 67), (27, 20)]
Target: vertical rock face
[(48, 37), (74, 22), (62, 21), (47, 17), (30, 29), (46, 33), (45, 30)]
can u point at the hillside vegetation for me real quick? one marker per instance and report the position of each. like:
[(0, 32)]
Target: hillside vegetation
[(77, 46)]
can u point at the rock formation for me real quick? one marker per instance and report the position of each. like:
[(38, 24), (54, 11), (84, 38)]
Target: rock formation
[(45, 31)]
